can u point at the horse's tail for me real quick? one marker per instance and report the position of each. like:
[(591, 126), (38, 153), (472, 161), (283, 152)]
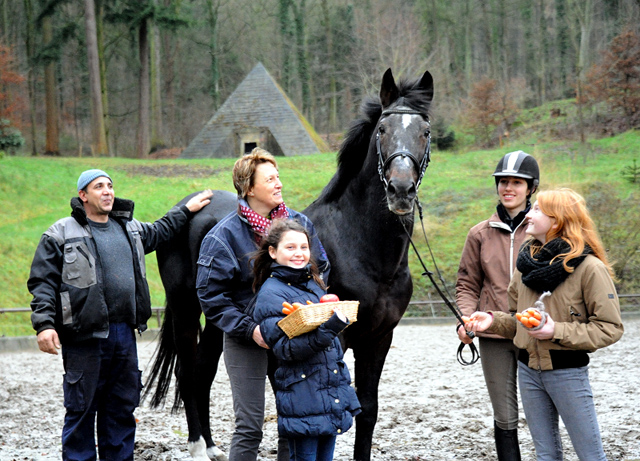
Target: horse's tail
[(163, 365)]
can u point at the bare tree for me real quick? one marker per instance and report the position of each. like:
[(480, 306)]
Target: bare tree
[(52, 146), (30, 37), (143, 141), (98, 135)]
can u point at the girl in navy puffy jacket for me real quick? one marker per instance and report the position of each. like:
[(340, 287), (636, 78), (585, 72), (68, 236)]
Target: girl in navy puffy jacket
[(314, 398)]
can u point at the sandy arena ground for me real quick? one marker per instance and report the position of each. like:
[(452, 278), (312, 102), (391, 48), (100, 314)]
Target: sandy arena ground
[(431, 408)]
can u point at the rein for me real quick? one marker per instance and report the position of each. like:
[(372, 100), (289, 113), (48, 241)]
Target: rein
[(421, 166), (455, 309)]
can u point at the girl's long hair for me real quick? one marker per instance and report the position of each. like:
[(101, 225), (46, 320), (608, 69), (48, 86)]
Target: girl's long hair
[(262, 259), (573, 225)]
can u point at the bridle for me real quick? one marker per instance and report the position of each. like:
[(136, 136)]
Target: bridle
[(453, 307), (421, 166)]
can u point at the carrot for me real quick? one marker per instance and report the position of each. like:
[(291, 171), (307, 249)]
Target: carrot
[(287, 305), (534, 321), (286, 311), (525, 321), (296, 306), (519, 315), (309, 302), (537, 315)]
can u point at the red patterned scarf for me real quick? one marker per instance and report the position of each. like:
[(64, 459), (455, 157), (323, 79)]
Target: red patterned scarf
[(259, 224)]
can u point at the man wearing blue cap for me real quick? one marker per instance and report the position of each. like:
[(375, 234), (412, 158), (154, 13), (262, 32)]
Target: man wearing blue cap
[(90, 294)]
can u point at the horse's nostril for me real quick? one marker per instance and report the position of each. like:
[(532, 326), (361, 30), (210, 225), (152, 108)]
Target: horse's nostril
[(391, 188), (402, 189), (412, 191)]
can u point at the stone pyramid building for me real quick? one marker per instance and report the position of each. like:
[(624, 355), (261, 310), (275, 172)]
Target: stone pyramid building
[(257, 114)]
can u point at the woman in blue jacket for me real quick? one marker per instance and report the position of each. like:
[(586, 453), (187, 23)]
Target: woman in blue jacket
[(314, 398), (224, 284)]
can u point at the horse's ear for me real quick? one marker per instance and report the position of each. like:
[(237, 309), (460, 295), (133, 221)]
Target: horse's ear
[(388, 90), (426, 85)]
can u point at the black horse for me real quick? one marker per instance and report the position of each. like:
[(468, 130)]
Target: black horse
[(364, 217)]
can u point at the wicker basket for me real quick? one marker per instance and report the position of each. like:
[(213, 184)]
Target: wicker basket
[(311, 316)]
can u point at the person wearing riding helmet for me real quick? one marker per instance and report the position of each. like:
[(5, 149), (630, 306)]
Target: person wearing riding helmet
[(486, 267)]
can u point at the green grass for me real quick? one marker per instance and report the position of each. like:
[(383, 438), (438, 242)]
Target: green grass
[(457, 192)]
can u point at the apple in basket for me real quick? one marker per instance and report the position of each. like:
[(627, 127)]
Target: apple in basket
[(329, 298)]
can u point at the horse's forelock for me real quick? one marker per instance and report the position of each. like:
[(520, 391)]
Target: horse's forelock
[(415, 97)]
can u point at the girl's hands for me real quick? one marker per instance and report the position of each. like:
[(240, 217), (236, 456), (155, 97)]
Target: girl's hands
[(546, 332), (340, 314), (479, 322)]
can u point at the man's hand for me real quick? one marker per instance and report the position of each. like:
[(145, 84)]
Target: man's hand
[(48, 341), (257, 337), (197, 202)]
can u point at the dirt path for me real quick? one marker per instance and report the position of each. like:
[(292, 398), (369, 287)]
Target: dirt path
[(431, 408)]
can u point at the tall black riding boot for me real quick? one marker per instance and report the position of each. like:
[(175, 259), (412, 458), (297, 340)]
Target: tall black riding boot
[(507, 444)]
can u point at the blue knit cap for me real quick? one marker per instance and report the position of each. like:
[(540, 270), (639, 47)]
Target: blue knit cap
[(86, 177)]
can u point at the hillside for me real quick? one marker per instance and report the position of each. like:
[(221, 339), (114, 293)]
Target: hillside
[(457, 192)]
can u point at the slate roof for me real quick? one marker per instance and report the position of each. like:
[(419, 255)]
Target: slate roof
[(258, 102)]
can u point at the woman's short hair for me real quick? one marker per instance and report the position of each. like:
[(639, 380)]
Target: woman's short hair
[(245, 168)]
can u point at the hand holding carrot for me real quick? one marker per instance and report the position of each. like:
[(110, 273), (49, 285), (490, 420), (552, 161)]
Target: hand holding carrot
[(546, 332), (462, 331), (480, 321)]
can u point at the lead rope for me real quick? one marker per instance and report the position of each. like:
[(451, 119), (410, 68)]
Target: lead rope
[(455, 309)]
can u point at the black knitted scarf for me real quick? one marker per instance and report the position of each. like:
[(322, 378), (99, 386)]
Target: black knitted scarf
[(538, 272)]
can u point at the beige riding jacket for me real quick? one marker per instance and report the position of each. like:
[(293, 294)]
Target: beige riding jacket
[(585, 309), (487, 263)]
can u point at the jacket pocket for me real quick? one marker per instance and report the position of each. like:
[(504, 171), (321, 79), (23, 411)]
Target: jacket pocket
[(67, 314), (299, 393), (73, 388), (204, 270), (79, 266)]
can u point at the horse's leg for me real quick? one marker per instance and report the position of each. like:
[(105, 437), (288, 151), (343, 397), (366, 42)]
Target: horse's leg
[(369, 361), (186, 328), (209, 352)]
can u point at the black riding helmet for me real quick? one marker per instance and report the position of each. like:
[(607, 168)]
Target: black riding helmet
[(519, 164)]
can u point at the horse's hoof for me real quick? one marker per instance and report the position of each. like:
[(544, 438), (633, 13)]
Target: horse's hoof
[(198, 450), (216, 454)]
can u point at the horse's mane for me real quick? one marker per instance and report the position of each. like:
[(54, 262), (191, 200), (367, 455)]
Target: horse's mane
[(355, 147)]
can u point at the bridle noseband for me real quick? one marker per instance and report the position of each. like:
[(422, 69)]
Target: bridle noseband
[(421, 166)]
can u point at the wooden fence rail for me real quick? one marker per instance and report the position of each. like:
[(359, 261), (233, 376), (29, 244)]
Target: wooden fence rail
[(436, 307)]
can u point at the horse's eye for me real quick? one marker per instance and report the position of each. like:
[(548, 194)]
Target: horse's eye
[(427, 133), (381, 130)]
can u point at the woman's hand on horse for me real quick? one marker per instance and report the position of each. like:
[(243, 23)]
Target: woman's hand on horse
[(197, 202), (48, 341), (257, 337)]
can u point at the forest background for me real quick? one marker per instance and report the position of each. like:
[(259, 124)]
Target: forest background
[(110, 81)]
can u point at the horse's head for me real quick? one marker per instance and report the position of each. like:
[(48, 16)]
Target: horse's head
[(403, 139)]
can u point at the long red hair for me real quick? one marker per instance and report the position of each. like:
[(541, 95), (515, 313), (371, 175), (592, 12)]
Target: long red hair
[(573, 225)]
